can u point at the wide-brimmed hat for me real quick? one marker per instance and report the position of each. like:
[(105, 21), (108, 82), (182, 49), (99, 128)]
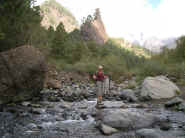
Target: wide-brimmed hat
[(100, 67)]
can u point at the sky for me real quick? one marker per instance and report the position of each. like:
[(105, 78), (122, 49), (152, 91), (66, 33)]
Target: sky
[(134, 19)]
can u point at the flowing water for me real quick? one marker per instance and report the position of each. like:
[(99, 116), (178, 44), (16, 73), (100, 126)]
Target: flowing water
[(45, 119)]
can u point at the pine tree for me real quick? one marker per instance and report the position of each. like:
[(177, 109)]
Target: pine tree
[(180, 50), (18, 18), (1, 34), (58, 43)]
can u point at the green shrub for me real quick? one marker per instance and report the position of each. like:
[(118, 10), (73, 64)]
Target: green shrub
[(176, 70), (178, 92), (151, 68), (82, 67), (131, 86)]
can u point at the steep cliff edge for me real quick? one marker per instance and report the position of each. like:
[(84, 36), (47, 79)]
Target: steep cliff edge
[(94, 29), (54, 13)]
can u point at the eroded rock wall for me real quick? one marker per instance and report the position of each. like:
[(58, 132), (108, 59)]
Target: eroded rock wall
[(95, 30)]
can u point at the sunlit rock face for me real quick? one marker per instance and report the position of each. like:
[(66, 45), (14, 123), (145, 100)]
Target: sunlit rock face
[(54, 13), (94, 29)]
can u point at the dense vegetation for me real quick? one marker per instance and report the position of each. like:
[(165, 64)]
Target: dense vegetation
[(71, 53), (171, 62), (21, 25)]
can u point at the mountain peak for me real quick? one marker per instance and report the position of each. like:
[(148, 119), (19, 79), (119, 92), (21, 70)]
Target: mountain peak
[(54, 13), (93, 28)]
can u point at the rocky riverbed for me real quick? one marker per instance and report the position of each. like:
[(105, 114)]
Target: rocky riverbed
[(70, 113)]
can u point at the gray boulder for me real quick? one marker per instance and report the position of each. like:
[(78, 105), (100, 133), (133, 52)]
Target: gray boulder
[(173, 102), (128, 95), (114, 104), (181, 107), (126, 119), (158, 87), (107, 130)]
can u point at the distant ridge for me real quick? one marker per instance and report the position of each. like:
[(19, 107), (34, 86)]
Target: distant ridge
[(138, 50), (157, 45)]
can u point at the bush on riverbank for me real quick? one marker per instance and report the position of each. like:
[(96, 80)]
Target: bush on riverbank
[(169, 62)]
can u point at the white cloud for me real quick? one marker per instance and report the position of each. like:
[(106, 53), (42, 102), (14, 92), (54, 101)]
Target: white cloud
[(125, 18), (170, 17)]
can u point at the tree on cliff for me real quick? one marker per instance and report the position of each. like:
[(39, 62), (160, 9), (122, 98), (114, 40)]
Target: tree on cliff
[(18, 18), (97, 14), (65, 46), (58, 43)]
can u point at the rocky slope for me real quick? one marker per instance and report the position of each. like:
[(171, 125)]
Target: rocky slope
[(53, 13)]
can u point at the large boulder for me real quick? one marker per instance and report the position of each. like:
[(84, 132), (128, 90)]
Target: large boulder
[(23, 71), (126, 119), (158, 87)]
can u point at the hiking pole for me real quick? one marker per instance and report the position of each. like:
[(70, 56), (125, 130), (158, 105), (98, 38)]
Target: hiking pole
[(109, 83)]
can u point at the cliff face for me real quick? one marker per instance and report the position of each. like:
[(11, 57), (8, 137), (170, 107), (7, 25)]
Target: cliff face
[(53, 14), (94, 29)]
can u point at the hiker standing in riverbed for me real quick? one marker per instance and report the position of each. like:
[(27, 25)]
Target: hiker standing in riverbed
[(99, 77)]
